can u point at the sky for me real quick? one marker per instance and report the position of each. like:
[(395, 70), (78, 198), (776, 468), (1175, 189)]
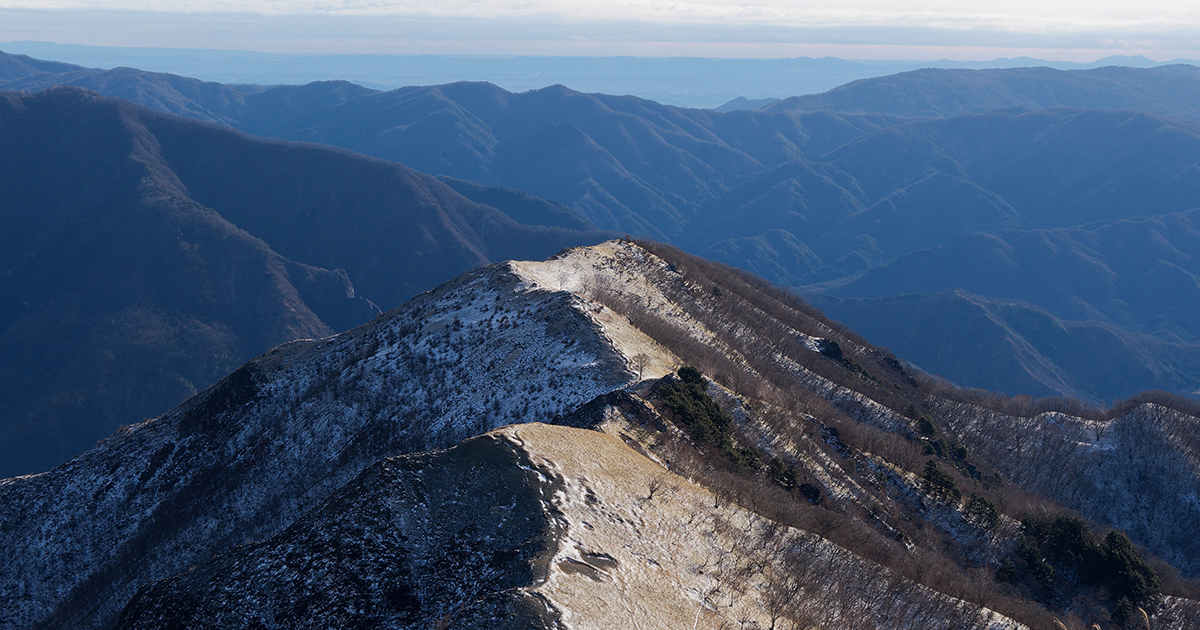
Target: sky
[(853, 29)]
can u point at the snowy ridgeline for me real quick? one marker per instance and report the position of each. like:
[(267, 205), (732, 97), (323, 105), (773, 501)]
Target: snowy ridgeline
[(245, 458), (510, 343), (536, 526)]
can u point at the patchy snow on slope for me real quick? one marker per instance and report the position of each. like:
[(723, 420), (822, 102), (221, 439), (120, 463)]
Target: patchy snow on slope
[(517, 343), (583, 271), (241, 460), (1137, 473), (536, 526)]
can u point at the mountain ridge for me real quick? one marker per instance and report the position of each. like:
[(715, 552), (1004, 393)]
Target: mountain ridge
[(534, 341), (946, 92)]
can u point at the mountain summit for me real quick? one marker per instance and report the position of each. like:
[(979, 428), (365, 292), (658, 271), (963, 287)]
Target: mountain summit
[(813, 478)]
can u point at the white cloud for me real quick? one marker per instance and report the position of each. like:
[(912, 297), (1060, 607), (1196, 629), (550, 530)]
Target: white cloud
[(1014, 15), (862, 29)]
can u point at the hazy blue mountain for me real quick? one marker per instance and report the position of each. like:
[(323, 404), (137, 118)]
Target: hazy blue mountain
[(1172, 90), (201, 100), (776, 254), (19, 66), (916, 185), (519, 205), (808, 199), (145, 255), (1139, 274), (742, 102), (622, 162), (1011, 346), (681, 81), (1114, 310)]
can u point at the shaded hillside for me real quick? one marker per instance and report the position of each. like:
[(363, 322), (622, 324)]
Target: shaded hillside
[(809, 499), (202, 100), (15, 67), (623, 163), (1016, 347), (1113, 312), (1166, 90), (1142, 274), (145, 256), (946, 216), (521, 206), (1056, 168), (917, 185)]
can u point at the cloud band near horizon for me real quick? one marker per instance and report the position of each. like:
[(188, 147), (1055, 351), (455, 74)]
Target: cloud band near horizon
[(929, 29)]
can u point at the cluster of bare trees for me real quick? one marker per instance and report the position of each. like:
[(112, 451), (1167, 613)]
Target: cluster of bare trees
[(797, 581)]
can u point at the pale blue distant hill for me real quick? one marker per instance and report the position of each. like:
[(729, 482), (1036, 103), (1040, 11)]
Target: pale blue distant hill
[(682, 81)]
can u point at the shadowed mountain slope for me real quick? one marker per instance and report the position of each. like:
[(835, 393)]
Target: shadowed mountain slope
[(15, 67), (144, 256), (1140, 274), (916, 185), (1172, 90), (1017, 347), (624, 163), (521, 206), (1113, 314)]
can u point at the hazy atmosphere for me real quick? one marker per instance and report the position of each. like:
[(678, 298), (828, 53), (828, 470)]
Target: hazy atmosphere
[(1063, 31)]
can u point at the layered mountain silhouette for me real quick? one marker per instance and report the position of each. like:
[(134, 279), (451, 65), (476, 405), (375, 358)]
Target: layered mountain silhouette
[(144, 256), (1114, 315), (622, 162), (812, 479), (1012, 346), (809, 199), (1169, 90)]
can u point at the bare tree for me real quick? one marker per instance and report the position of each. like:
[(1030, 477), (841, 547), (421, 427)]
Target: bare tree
[(639, 363)]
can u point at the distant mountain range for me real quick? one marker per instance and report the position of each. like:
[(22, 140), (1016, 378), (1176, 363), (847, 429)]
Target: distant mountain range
[(146, 255), (1167, 90), (682, 81), (819, 201)]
